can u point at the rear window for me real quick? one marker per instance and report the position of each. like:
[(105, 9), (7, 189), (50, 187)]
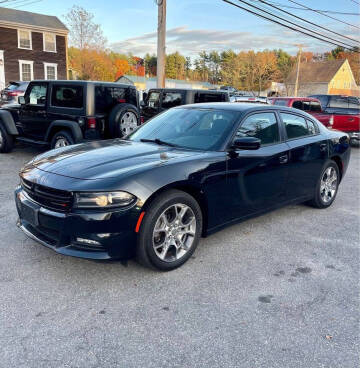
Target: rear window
[(280, 102), (107, 97), (209, 97), (70, 96)]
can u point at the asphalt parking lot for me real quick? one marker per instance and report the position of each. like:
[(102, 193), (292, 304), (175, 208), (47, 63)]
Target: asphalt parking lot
[(281, 290)]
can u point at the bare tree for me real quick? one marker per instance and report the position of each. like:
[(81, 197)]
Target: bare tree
[(84, 32)]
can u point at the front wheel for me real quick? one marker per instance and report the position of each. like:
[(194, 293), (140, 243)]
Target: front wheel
[(327, 186), (170, 231), (6, 140), (62, 139)]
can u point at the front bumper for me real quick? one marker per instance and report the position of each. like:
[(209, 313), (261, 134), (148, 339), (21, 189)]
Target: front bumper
[(85, 234)]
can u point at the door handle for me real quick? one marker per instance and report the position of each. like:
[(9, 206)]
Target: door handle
[(323, 147), (284, 159)]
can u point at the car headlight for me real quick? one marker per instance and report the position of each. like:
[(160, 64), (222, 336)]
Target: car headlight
[(103, 199)]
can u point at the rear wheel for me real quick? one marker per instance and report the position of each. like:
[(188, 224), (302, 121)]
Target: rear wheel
[(6, 140), (170, 231), (327, 186), (62, 139)]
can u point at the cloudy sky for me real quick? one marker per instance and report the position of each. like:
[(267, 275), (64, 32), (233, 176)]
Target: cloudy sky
[(196, 25)]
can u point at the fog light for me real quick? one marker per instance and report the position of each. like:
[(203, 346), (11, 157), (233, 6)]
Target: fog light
[(87, 241)]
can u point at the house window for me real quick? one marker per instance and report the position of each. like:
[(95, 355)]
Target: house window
[(26, 70), (49, 40), (50, 71), (24, 39)]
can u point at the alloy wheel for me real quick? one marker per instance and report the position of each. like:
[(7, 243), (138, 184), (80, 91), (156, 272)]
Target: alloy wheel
[(61, 142), (328, 185), (174, 232), (128, 123)]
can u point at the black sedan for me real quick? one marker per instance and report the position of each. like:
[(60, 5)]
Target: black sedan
[(185, 174)]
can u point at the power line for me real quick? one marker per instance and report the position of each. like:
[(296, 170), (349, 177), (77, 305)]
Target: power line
[(307, 21), (19, 5), (319, 10), (282, 24), (325, 15), (299, 26)]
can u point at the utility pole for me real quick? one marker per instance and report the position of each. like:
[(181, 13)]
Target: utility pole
[(298, 69), (160, 69)]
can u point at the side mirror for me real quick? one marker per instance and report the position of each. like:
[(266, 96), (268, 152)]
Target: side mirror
[(246, 143), (21, 100)]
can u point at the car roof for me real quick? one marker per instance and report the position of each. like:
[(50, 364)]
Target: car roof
[(243, 107), (188, 90), (109, 84)]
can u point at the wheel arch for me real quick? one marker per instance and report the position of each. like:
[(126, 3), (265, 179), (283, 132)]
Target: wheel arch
[(339, 163), (193, 191), (58, 125), (8, 122)]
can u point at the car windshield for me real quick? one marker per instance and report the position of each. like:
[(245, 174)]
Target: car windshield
[(193, 128)]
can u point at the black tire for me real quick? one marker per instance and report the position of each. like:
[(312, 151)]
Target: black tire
[(119, 113), (6, 140), (145, 252), (63, 135), (322, 200)]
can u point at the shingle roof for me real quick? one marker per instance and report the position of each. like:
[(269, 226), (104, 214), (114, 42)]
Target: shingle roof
[(316, 72), (31, 19)]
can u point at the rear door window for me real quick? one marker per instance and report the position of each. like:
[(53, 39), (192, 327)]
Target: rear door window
[(153, 99), (295, 125), (298, 105), (70, 96), (306, 105), (339, 102), (281, 102), (171, 99), (315, 106)]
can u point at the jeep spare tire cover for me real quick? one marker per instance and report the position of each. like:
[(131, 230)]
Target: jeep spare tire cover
[(123, 120)]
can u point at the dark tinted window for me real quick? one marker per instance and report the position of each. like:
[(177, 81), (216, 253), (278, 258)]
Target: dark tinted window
[(107, 97), (297, 105), (171, 99), (67, 96), (209, 97), (262, 126), (295, 125), (281, 102), (315, 106), (339, 102), (306, 105), (311, 127)]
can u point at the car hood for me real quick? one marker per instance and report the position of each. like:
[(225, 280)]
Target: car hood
[(106, 159)]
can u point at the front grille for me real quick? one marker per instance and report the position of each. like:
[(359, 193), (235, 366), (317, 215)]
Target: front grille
[(53, 199)]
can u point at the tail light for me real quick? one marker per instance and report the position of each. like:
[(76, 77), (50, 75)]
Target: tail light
[(142, 120), (331, 120), (121, 100), (91, 123), (14, 93)]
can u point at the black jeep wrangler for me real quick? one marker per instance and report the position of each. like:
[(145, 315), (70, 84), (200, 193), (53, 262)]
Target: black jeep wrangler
[(161, 99), (60, 113)]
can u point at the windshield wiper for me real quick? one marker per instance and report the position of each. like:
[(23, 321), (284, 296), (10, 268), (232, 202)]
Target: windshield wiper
[(158, 141)]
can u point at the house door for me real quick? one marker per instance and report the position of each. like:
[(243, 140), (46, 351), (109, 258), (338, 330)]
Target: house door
[(2, 70)]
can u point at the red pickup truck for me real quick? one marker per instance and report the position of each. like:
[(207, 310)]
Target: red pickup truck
[(334, 111)]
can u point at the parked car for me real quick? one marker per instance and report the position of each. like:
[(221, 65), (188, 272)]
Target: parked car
[(61, 113), (311, 105), (13, 90), (187, 172), (161, 99), (344, 112), (228, 88)]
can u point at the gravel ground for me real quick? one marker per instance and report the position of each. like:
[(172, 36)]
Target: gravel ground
[(281, 290)]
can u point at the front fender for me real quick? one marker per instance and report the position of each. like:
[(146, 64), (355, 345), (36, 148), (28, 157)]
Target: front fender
[(7, 120)]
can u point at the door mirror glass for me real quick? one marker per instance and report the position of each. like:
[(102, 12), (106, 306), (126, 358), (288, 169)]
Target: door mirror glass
[(247, 143), (21, 100)]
